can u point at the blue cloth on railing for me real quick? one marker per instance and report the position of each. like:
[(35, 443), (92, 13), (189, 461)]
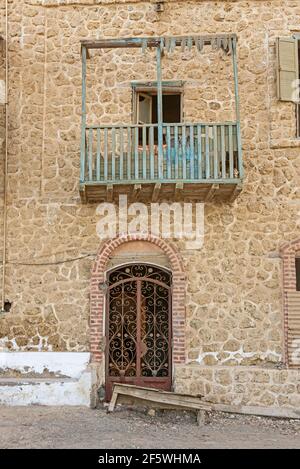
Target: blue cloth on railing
[(188, 154), (191, 161)]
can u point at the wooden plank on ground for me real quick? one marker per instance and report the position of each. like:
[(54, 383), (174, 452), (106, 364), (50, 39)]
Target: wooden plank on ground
[(162, 399), (156, 398)]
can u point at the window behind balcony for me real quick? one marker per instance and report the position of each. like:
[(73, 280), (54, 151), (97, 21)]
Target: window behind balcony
[(145, 106)]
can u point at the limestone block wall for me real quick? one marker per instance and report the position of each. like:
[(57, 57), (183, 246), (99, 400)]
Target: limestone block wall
[(234, 294), (241, 385)]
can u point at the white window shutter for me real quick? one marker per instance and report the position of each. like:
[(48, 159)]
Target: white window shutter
[(144, 108), (287, 69)]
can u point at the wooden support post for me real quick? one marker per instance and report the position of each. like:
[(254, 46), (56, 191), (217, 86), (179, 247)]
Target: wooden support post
[(178, 191), (159, 114), (236, 191), (213, 189), (136, 191), (237, 107), (83, 115), (110, 192), (156, 191), (82, 191), (202, 417), (113, 402)]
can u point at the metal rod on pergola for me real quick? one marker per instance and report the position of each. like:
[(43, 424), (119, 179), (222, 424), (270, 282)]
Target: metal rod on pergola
[(226, 42)]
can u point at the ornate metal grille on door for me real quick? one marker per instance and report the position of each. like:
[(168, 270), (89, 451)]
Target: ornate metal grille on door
[(138, 327)]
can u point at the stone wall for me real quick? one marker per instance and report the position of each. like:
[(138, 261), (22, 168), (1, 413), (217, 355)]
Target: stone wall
[(234, 293), (241, 385)]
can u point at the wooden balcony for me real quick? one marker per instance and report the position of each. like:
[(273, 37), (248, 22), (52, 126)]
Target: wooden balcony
[(196, 161), (151, 162)]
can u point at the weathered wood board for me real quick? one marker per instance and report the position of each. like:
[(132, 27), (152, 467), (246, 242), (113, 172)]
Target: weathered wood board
[(157, 399)]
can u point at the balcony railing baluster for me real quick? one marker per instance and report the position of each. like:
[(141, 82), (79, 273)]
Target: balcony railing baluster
[(168, 152), (192, 159), (98, 154), (90, 160), (199, 151), (105, 155), (129, 153), (144, 153), (215, 150), (223, 152), (230, 144), (136, 153), (207, 156), (176, 152), (121, 162), (183, 151), (151, 152)]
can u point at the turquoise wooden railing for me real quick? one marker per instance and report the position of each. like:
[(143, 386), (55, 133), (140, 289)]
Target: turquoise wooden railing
[(190, 152)]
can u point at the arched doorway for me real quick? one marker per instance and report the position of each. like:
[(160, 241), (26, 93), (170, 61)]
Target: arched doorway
[(139, 326)]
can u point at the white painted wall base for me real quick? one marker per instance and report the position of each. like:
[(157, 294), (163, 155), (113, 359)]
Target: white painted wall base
[(45, 378), (71, 364)]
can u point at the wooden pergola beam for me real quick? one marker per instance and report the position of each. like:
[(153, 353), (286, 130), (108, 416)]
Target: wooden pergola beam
[(150, 41)]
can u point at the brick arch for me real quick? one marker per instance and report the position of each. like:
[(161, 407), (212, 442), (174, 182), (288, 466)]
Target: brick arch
[(98, 294), (288, 252)]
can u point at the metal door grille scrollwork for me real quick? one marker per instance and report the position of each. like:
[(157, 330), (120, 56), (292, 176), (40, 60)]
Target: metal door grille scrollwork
[(122, 330), (139, 324)]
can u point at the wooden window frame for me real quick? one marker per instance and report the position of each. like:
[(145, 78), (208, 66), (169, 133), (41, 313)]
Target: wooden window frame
[(150, 88)]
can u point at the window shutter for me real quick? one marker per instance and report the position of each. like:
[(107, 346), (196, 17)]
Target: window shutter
[(287, 68), (144, 109)]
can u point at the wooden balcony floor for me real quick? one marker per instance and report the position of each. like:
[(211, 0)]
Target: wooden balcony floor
[(156, 192)]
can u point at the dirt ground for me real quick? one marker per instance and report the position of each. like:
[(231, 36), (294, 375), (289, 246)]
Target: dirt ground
[(76, 427)]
